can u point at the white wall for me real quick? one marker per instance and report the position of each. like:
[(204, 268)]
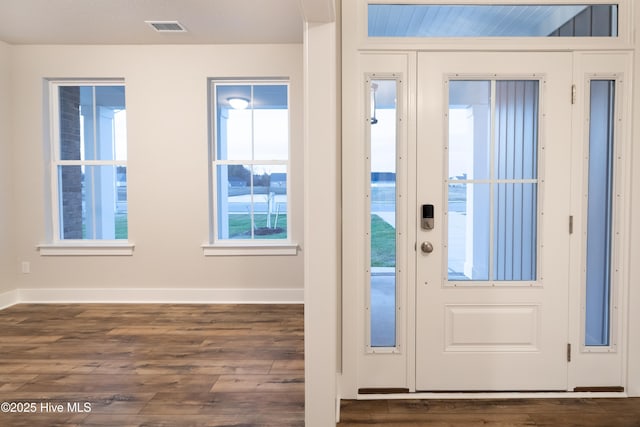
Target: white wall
[(7, 267), (322, 220), (633, 385), (166, 97)]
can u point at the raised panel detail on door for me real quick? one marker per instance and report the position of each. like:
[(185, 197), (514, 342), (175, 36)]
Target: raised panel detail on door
[(491, 328)]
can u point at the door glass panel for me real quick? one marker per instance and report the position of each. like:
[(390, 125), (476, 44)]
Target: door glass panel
[(496, 20), (469, 129), (599, 212), (469, 231), (514, 231), (493, 176), (516, 121), (382, 162)]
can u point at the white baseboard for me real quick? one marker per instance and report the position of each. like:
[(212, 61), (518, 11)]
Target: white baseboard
[(153, 295), (8, 298), (338, 395)]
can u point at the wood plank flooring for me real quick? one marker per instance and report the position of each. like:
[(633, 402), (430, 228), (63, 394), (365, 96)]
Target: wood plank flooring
[(493, 413), (212, 365), (152, 365)]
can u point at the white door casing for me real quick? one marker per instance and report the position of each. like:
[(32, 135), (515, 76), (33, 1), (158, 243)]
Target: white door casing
[(600, 366), (602, 57), (501, 336)]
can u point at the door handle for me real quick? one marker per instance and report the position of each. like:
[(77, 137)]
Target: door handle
[(426, 247)]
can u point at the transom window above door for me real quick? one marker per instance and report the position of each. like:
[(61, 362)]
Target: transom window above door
[(492, 20)]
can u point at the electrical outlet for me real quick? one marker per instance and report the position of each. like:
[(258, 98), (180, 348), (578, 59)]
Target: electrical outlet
[(26, 267)]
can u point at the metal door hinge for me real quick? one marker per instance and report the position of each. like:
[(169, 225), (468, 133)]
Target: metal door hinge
[(568, 352), (571, 224), (573, 94)]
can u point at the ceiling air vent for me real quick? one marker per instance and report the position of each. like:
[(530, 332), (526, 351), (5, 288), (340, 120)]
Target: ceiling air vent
[(167, 26)]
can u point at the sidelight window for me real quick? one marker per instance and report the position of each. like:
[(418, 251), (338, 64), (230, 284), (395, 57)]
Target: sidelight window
[(600, 212), (382, 166)]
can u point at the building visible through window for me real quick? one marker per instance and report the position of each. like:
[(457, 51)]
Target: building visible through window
[(89, 170)]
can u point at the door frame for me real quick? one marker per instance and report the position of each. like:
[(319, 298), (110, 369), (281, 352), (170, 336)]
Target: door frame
[(355, 48), (587, 361)]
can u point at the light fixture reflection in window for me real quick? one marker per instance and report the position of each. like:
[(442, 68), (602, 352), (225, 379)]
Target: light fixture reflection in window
[(238, 103)]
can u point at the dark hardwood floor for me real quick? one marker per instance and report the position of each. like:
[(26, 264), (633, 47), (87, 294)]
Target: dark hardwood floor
[(212, 365), (151, 365), (493, 413)]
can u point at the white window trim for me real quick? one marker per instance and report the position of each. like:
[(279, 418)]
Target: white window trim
[(73, 247), (246, 247), (89, 248), (250, 248)]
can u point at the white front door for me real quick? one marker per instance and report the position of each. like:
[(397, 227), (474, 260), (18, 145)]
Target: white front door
[(492, 268)]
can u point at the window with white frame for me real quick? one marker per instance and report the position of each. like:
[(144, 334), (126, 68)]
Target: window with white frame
[(88, 161), (492, 20), (493, 180), (250, 161)]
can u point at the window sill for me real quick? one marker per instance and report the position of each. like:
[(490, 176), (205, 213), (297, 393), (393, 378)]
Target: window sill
[(93, 248), (250, 249)]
